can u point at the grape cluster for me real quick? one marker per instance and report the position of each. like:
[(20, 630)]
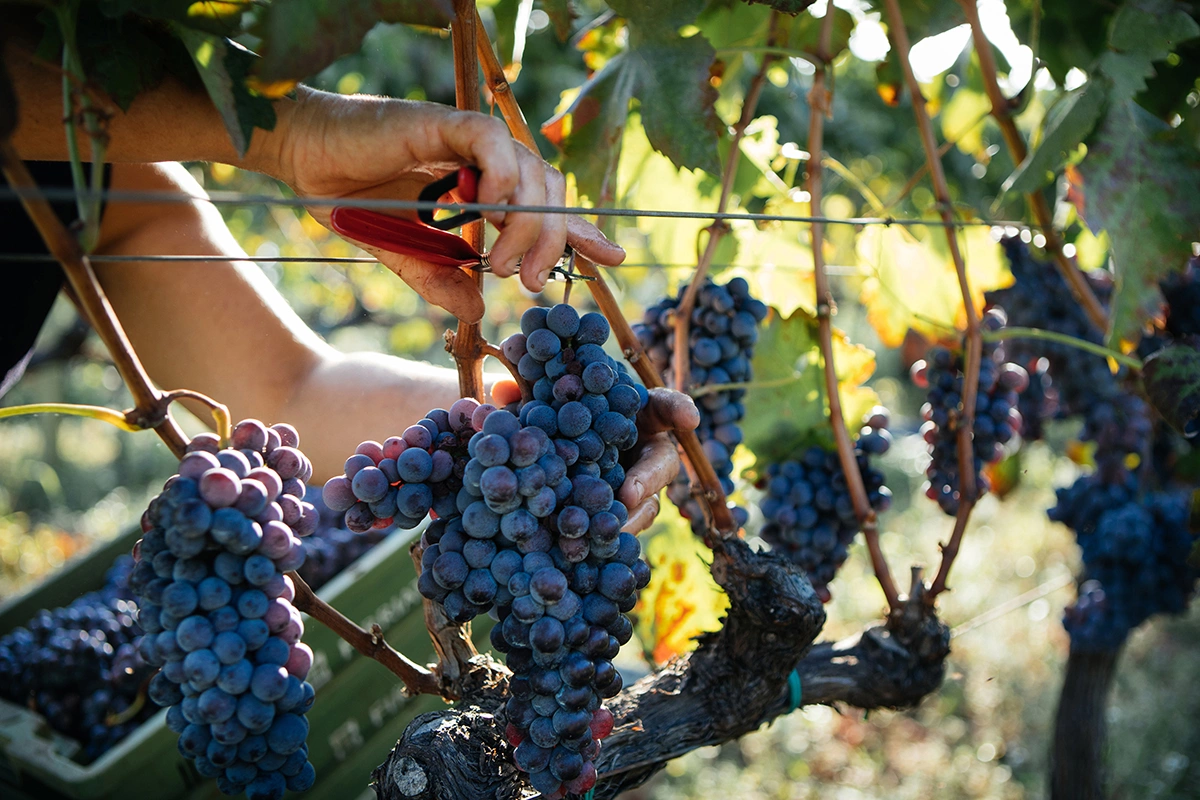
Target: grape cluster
[(997, 418), (78, 666), (399, 481), (1182, 293), (721, 337), (535, 540), (808, 512), (216, 609), (1135, 551), (1040, 298)]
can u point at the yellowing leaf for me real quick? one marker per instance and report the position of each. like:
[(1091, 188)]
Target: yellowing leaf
[(912, 282), (682, 600), (777, 264)]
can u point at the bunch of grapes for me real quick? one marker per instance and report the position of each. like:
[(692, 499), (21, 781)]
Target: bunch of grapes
[(79, 667), (997, 418), (399, 481), (808, 512), (1135, 553), (721, 337), (1040, 298), (1182, 293), (534, 538), (216, 609)]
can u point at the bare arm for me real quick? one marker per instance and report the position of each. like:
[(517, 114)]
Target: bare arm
[(221, 328)]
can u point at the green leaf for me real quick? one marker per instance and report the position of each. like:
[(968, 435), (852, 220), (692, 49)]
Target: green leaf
[(1067, 124), (224, 66), (218, 17), (667, 74), (561, 16), (786, 408), (1172, 381), (1139, 184), (302, 37), (786, 6), (1142, 32)]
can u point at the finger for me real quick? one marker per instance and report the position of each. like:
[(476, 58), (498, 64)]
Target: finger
[(521, 228), (548, 249), (593, 245), (485, 142), (668, 410), (446, 287), (656, 466), (642, 517), (505, 391)]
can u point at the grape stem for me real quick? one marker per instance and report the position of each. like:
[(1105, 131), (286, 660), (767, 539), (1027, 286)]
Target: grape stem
[(1062, 338), (92, 300), (1002, 112), (417, 679), (719, 228), (974, 344), (699, 469), (490, 349), (222, 421), (820, 106)]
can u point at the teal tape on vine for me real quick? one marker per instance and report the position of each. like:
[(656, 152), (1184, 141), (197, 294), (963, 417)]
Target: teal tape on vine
[(591, 794), (794, 691)]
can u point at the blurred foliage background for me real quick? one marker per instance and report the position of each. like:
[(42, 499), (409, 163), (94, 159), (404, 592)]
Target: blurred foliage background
[(67, 484)]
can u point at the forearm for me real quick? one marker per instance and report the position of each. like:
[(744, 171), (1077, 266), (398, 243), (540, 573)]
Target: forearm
[(221, 328), (170, 122)]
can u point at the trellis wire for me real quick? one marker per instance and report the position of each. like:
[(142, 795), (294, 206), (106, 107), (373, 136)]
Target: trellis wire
[(238, 198), (43, 258)]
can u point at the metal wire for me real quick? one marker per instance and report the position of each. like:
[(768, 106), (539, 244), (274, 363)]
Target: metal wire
[(46, 258), (8, 193)]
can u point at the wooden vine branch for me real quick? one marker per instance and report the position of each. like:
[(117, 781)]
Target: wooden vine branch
[(501, 90), (719, 228), (99, 312), (819, 104), (966, 420), (705, 475), (417, 679), (467, 344), (1001, 111), (1077, 754), (737, 679)]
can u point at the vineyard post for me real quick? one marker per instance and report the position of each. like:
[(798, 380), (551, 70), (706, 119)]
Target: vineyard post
[(966, 457), (706, 476), (1016, 147), (819, 103)]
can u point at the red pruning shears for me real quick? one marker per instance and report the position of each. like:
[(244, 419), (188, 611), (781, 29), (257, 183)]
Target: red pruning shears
[(429, 239)]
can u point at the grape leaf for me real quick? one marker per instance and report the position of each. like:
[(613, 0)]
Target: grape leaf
[(224, 66), (302, 37), (667, 74), (1067, 124), (682, 600), (1142, 32), (786, 409), (218, 17), (913, 283), (1172, 380), (786, 6), (1139, 184)]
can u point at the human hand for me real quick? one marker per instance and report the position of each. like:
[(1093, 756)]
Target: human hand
[(370, 147)]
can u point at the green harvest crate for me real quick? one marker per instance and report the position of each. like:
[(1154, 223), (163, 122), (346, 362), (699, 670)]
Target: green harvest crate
[(357, 699)]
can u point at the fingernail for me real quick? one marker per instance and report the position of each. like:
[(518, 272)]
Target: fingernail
[(544, 277)]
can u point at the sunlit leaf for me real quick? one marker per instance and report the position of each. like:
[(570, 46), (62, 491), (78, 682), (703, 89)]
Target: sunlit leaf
[(913, 282), (786, 406), (682, 601), (1067, 124)]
